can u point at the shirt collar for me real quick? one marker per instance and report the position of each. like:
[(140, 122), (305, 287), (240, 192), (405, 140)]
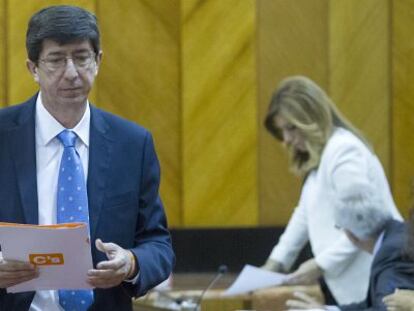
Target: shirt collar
[(47, 127), (378, 243)]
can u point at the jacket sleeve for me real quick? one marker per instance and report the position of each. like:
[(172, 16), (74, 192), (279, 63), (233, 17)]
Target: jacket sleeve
[(390, 271), (293, 239), (348, 164), (337, 257), (153, 249)]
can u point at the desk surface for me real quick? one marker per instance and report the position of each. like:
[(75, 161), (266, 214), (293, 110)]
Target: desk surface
[(271, 299)]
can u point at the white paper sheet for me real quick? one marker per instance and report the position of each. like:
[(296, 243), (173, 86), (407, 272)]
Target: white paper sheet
[(47, 245), (252, 278)]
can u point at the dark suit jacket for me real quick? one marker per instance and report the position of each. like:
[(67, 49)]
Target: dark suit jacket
[(391, 269), (124, 206)]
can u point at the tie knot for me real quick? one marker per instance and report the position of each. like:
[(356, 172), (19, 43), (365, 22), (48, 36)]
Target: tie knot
[(67, 138)]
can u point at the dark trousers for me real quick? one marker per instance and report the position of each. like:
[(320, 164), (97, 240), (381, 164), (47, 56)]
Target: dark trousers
[(329, 298)]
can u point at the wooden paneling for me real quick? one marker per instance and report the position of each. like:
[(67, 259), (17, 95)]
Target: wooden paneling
[(292, 39), (3, 48), (199, 75), (219, 113), (20, 85), (359, 68), (139, 79), (403, 102)]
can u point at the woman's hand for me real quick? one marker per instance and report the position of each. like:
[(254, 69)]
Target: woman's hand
[(303, 302), (273, 265), (307, 273)]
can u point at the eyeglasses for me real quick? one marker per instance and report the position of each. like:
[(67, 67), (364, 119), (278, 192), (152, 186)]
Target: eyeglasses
[(81, 61)]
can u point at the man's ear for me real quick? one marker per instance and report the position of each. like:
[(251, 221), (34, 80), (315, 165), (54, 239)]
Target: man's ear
[(98, 61), (32, 67)]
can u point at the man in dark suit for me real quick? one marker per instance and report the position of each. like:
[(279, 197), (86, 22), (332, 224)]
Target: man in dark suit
[(131, 246), (372, 229)]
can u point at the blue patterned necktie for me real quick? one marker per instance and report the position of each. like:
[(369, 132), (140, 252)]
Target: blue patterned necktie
[(72, 206)]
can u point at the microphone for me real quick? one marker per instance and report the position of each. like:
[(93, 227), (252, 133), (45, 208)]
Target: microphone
[(222, 269)]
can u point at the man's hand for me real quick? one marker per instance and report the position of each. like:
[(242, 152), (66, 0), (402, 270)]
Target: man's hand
[(13, 272), (401, 300), (120, 266), (303, 302), (307, 273)]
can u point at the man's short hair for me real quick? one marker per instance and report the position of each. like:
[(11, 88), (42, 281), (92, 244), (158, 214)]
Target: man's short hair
[(361, 210), (63, 24)]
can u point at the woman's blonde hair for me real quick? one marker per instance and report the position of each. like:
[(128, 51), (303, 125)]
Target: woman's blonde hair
[(302, 103)]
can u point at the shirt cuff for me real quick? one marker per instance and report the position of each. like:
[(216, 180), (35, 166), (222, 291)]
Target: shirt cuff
[(135, 263), (134, 280)]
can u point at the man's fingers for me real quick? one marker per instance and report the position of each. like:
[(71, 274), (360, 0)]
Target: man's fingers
[(296, 304), (17, 274), (106, 274), (100, 245), (9, 279), (304, 297), (110, 272), (104, 280), (105, 247), (14, 265), (114, 264), (109, 249)]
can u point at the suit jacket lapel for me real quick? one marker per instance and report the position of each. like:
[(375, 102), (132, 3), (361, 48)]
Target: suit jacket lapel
[(100, 149), (22, 140)]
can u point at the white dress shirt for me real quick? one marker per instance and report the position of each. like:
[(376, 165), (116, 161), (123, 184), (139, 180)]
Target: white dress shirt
[(48, 154)]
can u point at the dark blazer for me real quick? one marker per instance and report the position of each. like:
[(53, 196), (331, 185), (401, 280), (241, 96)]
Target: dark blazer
[(124, 206), (391, 269)]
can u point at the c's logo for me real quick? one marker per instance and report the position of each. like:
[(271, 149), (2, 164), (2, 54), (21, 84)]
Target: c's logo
[(46, 259)]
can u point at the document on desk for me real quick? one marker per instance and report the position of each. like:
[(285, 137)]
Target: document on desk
[(61, 252), (252, 278)]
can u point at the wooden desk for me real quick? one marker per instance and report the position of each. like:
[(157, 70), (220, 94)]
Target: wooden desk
[(275, 298), (212, 301), (262, 300)]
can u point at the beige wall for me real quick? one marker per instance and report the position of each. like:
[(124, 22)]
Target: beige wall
[(199, 75)]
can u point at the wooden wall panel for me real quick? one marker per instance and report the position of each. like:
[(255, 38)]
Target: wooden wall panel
[(20, 85), (139, 79), (292, 39), (359, 68), (219, 113), (3, 47), (403, 102)]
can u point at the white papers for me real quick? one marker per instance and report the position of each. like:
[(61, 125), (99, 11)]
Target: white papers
[(252, 278), (61, 252)]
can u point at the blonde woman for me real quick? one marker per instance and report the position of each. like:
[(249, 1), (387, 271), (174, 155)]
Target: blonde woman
[(330, 154)]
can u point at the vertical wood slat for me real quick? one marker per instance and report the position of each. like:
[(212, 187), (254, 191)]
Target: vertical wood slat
[(139, 80), (403, 103), (359, 68), (292, 39), (219, 113), (3, 48), (20, 85)]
